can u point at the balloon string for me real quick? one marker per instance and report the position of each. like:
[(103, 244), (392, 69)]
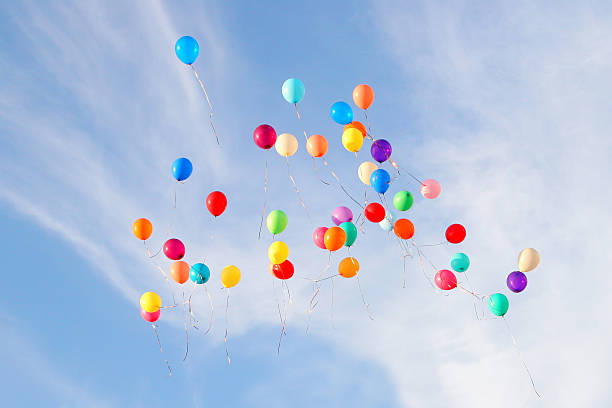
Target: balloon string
[(404, 256), (161, 350), (314, 163), (282, 320), (229, 361), (193, 320), (431, 245), (427, 277), (297, 190), (263, 212), (365, 303), (472, 289), (314, 301), (212, 310), (340, 184), (149, 251), (212, 112), (332, 302), (186, 329), (159, 268), (515, 343)]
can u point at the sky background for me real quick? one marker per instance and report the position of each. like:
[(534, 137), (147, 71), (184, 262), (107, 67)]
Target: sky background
[(507, 105)]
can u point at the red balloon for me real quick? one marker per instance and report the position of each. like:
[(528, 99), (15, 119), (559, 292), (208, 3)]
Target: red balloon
[(283, 270), (445, 279), (216, 202), (455, 233), (375, 212), (264, 136)]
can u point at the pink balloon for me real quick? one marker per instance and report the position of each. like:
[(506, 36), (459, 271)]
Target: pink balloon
[(150, 317), (342, 214), (445, 279), (174, 249), (318, 236), (264, 136), (430, 188)]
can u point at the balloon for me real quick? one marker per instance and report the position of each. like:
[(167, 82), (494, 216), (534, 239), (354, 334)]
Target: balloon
[(293, 90), (334, 238), (142, 228), (174, 249), (181, 169), (187, 49), (150, 302), (277, 221), (284, 270), (341, 113), (318, 236), (278, 252), (179, 271), (363, 96), (199, 273), (374, 212), (516, 281), (230, 276), (460, 262), (380, 150), (264, 136), (316, 146), (150, 316), (404, 228), (455, 233), (528, 259), (348, 267), (271, 269), (357, 125), (380, 180), (403, 200), (286, 144), (445, 279), (498, 304), (351, 233), (365, 171), (216, 202), (430, 188), (387, 222), (342, 214), (352, 139)]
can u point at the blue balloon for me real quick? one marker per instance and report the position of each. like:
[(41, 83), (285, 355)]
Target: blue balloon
[(380, 180), (342, 113), (181, 169), (387, 223), (187, 49), (293, 90), (199, 273), (460, 262)]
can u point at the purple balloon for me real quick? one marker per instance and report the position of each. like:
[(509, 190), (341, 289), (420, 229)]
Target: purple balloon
[(381, 150), (342, 214), (516, 281)]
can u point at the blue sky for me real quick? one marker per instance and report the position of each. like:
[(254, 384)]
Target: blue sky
[(507, 106)]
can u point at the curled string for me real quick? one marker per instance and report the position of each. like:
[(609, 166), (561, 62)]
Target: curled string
[(149, 251), (229, 360), (314, 163), (365, 303), (316, 289), (186, 329), (340, 184), (297, 190), (159, 268), (427, 277), (263, 211), (161, 350), (212, 310), (477, 298), (212, 112), (193, 321), (515, 343)]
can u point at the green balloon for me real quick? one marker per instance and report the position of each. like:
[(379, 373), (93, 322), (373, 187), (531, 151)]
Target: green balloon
[(403, 200), (351, 232), (498, 304), (277, 221), (460, 262)]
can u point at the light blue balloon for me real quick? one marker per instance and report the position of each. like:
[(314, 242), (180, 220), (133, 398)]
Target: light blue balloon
[(293, 90), (380, 180), (460, 262), (181, 169), (387, 223), (187, 49), (199, 273), (341, 113)]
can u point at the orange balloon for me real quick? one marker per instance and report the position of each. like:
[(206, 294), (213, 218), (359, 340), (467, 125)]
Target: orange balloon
[(357, 125), (270, 266), (179, 271), (403, 228), (363, 96), (334, 238), (142, 228), (316, 145), (348, 267)]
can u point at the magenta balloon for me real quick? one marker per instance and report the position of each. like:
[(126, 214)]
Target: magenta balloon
[(264, 136), (150, 316), (174, 249), (445, 279), (342, 214), (318, 237)]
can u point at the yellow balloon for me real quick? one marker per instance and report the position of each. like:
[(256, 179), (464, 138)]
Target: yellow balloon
[(278, 252), (528, 259), (286, 144), (230, 276), (365, 171), (150, 302), (352, 139)]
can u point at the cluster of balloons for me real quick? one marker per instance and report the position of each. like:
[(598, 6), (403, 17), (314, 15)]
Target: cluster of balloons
[(280, 267)]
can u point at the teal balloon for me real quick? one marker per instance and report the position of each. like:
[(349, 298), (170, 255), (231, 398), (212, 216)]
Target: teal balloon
[(351, 233), (498, 304), (277, 221), (293, 90), (199, 273), (403, 200), (187, 49), (460, 262)]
